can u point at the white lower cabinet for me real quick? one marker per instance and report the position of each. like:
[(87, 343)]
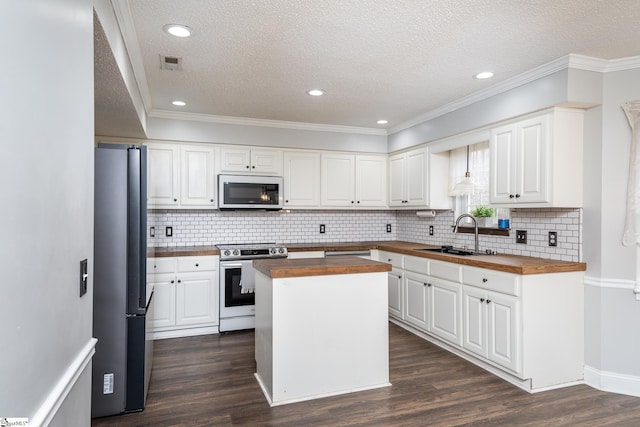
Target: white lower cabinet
[(445, 302), (491, 326), (185, 296), (416, 296), (527, 329)]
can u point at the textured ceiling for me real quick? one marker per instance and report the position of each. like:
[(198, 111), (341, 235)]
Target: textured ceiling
[(392, 59)]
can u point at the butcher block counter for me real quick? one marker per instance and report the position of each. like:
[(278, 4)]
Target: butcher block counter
[(321, 327), (175, 251), (279, 268), (501, 262)]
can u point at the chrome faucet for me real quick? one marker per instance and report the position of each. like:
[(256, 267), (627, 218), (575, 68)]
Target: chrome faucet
[(475, 223)]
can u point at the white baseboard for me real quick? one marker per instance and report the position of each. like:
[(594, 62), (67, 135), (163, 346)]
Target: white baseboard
[(180, 333), (612, 382), (49, 408)]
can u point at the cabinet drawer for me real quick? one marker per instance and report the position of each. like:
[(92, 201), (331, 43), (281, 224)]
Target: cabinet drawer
[(419, 265), (161, 265), (393, 258), (492, 280), (197, 263), (446, 270)]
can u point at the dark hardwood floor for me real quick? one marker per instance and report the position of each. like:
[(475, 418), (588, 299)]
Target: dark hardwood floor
[(208, 381)]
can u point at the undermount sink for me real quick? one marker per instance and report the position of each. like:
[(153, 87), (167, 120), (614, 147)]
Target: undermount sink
[(454, 251)]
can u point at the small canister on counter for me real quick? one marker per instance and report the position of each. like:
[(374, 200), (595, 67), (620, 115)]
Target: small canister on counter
[(504, 217)]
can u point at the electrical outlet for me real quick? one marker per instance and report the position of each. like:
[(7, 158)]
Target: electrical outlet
[(521, 236), (321, 228), (152, 232), (168, 231), (431, 230), (388, 228), (553, 238), (84, 276)]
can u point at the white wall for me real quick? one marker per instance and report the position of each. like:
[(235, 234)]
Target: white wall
[(198, 131), (46, 174), (612, 344)]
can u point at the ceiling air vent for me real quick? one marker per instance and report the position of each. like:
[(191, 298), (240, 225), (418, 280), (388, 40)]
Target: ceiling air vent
[(171, 63)]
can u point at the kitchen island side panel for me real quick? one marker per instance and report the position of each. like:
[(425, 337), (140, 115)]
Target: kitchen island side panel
[(329, 336)]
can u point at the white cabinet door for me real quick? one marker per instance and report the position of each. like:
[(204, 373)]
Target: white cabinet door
[(268, 162), (235, 159), (198, 176), (503, 160), (162, 175), (396, 300), (518, 169), (397, 179), (247, 160), (532, 176), (416, 299), (445, 303), (164, 300), (195, 299), (371, 181), (474, 321), (338, 180), (301, 179), (417, 176), (503, 330)]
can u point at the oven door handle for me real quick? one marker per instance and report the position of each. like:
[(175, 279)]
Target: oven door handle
[(227, 264)]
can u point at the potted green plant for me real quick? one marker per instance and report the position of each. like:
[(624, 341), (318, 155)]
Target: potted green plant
[(483, 215)]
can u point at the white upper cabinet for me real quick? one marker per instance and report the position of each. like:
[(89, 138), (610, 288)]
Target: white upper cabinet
[(180, 176), (249, 160), (301, 179), (198, 176), (537, 161), (349, 180), (162, 175), (418, 179)]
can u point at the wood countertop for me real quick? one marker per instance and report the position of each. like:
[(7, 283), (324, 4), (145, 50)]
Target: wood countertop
[(502, 262), (282, 267), (182, 251)]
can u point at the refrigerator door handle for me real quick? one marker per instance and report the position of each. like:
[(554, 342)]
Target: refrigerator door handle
[(136, 225)]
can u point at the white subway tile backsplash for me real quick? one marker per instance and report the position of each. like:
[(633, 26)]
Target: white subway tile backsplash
[(195, 228)]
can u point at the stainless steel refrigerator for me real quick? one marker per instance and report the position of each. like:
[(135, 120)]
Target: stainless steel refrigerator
[(121, 303)]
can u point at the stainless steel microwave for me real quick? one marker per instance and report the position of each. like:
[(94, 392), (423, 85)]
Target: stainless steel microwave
[(250, 192)]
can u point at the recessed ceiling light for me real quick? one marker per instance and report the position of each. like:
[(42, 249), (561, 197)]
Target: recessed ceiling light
[(179, 103), (316, 92), (382, 122), (483, 75), (177, 30)]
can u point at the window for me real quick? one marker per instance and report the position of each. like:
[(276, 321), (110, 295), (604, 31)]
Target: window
[(478, 167)]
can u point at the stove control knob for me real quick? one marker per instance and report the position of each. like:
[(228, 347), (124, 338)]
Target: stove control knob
[(280, 250), (227, 252), (272, 251), (236, 252)]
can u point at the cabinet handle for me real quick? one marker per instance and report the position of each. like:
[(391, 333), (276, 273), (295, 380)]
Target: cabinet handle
[(484, 280), (399, 277), (175, 200), (179, 281), (358, 201), (511, 196), (211, 200), (389, 260), (173, 281), (155, 266), (428, 285), (253, 167), (488, 301), (481, 299), (197, 265), (517, 196), (352, 201), (286, 201), (247, 166)]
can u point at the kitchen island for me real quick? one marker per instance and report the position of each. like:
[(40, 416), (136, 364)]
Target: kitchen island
[(321, 327)]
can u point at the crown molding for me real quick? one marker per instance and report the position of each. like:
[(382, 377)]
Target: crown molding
[(244, 121), (130, 37)]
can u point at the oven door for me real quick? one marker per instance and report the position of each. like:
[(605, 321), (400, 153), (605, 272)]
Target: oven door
[(237, 297)]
